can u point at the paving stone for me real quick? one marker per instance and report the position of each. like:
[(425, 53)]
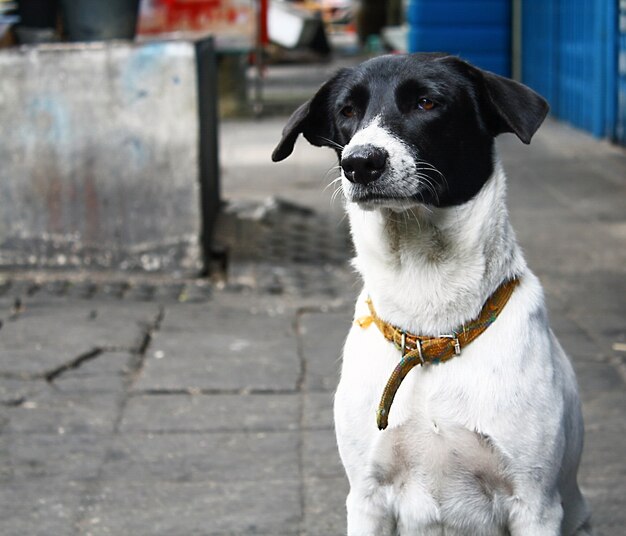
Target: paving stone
[(605, 408), (582, 176), (204, 413), (563, 241), (602, 474), (40, 507), (24, 457), (595, 379), (318, 411), (46, 336), (605, 430), (325, 512), (553, 226), (14, 392), (270, 507), (6, 304), (608, 515), (591, 300), (608, 327), (101, 383), (602, 465), (320, 455), (186, 457), (53, 412), (223, 346), (323, 336)]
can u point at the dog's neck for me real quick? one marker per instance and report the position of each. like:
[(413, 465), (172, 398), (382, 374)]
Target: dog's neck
[(430, 270)]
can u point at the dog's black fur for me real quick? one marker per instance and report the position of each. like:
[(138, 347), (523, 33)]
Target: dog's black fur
[(447, 110)]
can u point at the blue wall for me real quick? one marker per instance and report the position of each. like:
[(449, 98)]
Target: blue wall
[(478, 30), (569, 55), (620, 121)]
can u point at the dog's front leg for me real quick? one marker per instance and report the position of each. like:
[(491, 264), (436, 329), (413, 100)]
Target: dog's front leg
[(368, 516)]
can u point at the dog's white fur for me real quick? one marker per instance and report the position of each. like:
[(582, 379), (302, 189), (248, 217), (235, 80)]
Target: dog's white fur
[(487, 443)]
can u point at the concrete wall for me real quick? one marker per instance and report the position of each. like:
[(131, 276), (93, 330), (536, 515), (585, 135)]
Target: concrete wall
[(99, 157)]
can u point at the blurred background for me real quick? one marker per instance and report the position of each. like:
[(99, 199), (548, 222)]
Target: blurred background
[(110, 112)]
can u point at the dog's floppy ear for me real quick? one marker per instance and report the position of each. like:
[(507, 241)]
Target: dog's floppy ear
[(514, 107), (292, 130), (508, 106), (313, 119)]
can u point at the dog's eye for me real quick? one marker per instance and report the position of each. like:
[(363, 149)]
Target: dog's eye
[(348, 111), (425, 104)]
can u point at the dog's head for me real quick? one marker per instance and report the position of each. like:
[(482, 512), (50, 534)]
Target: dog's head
[(414, 128)]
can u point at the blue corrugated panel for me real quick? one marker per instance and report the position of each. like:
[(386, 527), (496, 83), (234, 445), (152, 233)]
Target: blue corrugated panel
[(568, 55), (539, 33), (458, 12), (581, 73), (620, 112), (479, 31)]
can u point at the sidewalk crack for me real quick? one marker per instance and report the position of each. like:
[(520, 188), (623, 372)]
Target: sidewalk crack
[(75, 363), (301, 389), (139, 354), (136, 364)]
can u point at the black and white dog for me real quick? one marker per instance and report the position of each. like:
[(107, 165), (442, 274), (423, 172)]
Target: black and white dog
[(487, 443)]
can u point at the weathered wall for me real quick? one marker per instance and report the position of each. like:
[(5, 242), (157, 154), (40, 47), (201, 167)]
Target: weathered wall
[(99, 157)]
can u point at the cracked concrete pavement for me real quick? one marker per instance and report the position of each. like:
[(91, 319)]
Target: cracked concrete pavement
[(180, 408)]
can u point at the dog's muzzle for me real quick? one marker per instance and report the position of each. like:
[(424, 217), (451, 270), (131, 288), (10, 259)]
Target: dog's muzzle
[(364, 164)]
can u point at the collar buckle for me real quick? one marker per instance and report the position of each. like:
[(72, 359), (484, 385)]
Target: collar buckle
[(455, 340), (418, 344), (418, 347), (403, 343)]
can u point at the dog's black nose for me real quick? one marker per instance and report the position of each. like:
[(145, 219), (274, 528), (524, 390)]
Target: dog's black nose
[(365, 164)]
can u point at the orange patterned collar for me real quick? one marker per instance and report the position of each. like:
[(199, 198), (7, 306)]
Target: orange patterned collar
[(420, 350)]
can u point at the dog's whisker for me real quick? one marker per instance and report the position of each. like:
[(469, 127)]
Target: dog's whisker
[(421, 164), (335, 195), (332, 183), (333, 143), (427, 208), (410, 221), (342, 219), (331, 170), (427, 181), (407, 220)]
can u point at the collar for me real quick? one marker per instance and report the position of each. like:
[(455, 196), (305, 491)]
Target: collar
[(421, 350)]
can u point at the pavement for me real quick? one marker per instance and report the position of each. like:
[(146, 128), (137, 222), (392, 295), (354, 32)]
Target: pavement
[(167, 406)]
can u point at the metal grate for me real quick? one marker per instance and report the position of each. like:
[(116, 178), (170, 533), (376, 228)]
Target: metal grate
[(281, 232)]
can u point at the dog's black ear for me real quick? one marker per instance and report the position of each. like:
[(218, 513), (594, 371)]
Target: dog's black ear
[(292, 130), (508, 106), (313, 120), (514, 107)]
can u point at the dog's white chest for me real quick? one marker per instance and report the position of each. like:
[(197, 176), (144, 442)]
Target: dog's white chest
[(431, 466)]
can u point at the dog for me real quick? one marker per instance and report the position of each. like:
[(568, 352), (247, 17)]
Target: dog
[(486, 438)]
